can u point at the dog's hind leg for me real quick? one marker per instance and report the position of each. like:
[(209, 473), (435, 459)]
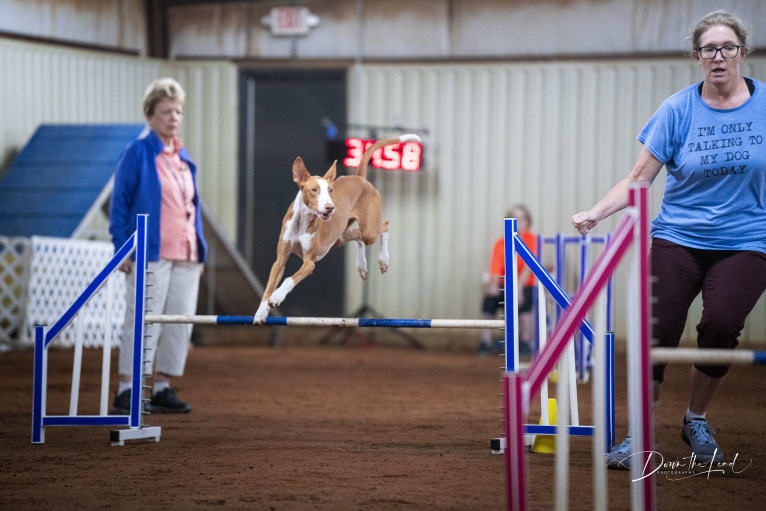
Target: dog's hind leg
[(361, 260), (361, 257), (383, 256)]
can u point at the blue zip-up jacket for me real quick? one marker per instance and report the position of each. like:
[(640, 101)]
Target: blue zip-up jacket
[(137, 190)]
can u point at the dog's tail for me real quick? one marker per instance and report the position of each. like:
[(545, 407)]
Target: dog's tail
[(362, 170)]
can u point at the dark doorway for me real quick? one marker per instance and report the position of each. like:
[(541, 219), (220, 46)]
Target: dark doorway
[(281, 119)]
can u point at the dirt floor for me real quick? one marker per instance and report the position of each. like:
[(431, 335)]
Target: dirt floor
[(373, 427)]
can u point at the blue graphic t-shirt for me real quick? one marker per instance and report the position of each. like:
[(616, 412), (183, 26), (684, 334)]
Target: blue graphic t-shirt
[(715, 192)]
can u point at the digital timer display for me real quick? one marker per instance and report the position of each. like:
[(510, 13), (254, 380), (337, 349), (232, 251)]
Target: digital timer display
[(404, 156)]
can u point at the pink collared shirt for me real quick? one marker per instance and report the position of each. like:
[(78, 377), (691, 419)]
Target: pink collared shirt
[(178, 235)]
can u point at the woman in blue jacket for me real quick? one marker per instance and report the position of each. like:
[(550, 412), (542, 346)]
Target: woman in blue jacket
[(156, 176)]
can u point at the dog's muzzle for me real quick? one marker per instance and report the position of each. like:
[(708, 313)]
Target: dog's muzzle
[(327, 213)]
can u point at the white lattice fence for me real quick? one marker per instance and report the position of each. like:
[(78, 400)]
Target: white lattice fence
[(15, 258), (61, 269)]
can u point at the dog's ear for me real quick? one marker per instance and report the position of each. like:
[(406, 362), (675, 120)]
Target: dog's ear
[(300, 174), (330, 174)]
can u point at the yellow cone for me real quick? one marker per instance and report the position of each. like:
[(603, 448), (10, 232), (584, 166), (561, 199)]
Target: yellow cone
[(546, 444)]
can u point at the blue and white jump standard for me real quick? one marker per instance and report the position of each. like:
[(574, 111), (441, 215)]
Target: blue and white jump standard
[(134, 421), (514, 245)]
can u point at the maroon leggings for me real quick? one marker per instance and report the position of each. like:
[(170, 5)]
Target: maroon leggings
[(731, 282)]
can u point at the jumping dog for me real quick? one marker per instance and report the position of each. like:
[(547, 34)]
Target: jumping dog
[(327, 212)]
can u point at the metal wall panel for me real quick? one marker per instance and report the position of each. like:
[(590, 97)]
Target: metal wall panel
[(48, 84), (210, 132), (555, 136), (114, 23)]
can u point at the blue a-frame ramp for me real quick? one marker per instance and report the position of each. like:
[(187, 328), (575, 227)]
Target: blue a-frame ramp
[(58, 176)]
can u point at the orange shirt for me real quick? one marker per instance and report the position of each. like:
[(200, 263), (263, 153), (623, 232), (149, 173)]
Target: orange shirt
[(497, 263), (178, 234)]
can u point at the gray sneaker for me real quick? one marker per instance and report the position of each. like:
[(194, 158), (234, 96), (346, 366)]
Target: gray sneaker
[(699, 435), (619, 457)]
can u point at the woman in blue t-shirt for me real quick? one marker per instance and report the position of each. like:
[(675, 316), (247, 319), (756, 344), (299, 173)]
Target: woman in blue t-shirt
[(710, 235)]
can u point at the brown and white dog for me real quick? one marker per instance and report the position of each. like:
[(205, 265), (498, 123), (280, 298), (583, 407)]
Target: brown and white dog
[(322, 216)]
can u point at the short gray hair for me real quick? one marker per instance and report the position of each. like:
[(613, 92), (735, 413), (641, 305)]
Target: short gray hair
[(513, 212), (720, 17), (162, 88)]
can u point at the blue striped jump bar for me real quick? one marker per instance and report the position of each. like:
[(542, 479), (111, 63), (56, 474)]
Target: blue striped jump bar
[(329, 322)]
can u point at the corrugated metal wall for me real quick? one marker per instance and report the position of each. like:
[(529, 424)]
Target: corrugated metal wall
[(555, 136), (210, 132), (46, 84), (114, 23)]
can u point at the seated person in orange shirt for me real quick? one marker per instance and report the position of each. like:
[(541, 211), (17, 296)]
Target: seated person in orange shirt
[(493, 297)]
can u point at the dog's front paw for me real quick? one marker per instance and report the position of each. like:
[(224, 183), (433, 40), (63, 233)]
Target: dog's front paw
[(363, 273), (383, 266), (261, 314)]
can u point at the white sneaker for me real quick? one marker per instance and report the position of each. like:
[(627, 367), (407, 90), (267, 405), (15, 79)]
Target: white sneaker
[(699, 435)]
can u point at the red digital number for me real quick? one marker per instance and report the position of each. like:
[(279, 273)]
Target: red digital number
[(354, 153), (392, 158), (406, 156), (411, 156)]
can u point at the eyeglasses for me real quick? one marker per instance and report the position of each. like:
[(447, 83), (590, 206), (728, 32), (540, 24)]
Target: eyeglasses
[(709, 52)]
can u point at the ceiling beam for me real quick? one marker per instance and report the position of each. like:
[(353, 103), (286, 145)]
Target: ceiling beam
[(157, 20)]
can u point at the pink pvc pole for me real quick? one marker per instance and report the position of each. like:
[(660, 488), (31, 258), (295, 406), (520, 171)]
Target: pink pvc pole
[(641, 380), (515, 482)]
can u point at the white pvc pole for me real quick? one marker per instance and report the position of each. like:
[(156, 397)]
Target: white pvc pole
[(572, 380), (562, 436), (542, 327), (598, 386), (44, 390), (74, 394), (106, 353), (702, 356)]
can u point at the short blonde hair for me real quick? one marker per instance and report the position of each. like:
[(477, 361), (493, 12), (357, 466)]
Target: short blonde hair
[(162, 88), (719, 17)]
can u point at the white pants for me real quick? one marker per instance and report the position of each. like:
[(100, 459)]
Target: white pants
[(173, 290)]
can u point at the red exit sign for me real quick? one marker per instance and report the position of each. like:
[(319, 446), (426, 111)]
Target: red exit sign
[(290, 21), (402, 156)]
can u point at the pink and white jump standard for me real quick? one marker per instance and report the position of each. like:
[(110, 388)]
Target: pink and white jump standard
[(521, 387)]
